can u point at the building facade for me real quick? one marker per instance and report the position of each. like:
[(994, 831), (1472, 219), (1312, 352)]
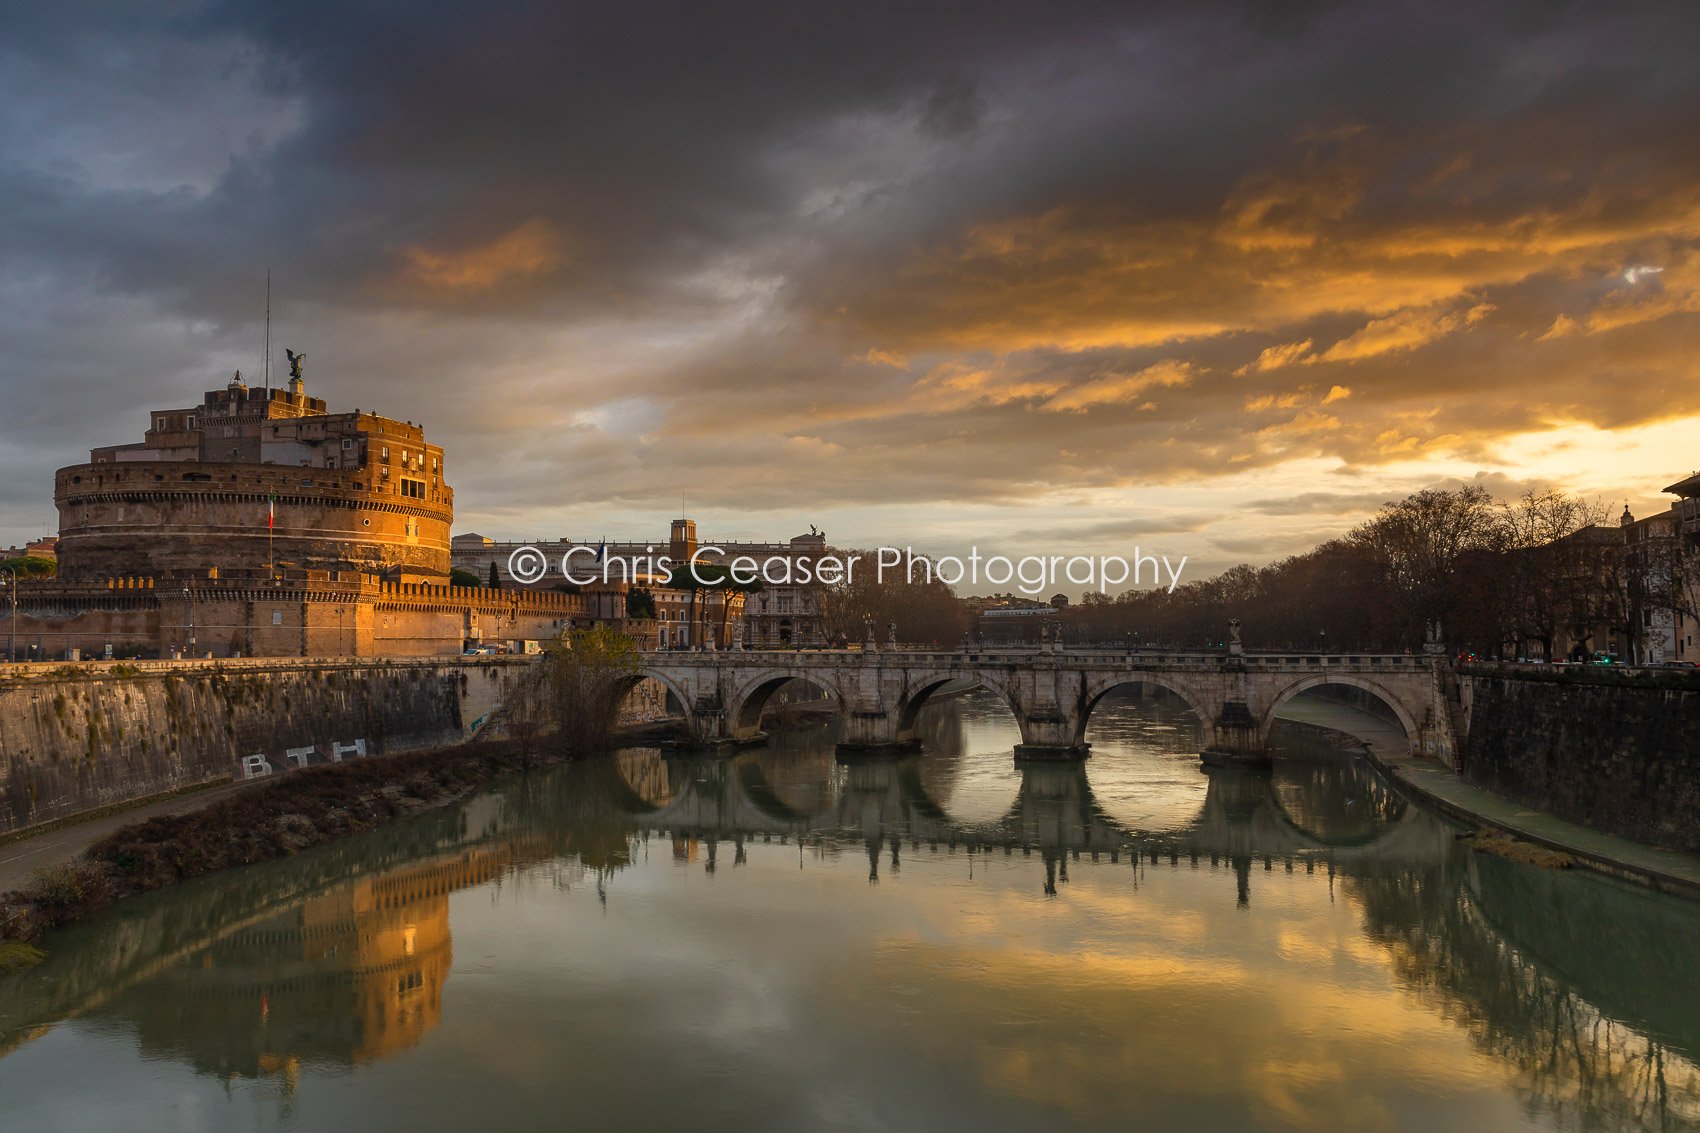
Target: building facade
[(776, 615), (1662, 577), (1637, 597)]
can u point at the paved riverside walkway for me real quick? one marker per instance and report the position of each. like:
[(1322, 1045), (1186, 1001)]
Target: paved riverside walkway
[(21, 857), (1439, 787)]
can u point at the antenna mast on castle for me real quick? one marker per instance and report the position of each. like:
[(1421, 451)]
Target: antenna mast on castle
[(268, 361)]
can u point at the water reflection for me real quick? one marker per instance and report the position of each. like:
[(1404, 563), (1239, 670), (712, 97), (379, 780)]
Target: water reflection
[(1044, 946)]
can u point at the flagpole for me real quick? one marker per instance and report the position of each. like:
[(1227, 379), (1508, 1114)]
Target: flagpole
[(268, 365)]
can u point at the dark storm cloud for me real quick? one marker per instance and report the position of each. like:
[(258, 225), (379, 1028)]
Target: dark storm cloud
[(811, 254)]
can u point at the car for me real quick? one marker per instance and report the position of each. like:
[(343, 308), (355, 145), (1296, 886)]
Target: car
[(1690, 665)]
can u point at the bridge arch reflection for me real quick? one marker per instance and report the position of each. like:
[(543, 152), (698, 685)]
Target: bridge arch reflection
[(1055, 809)]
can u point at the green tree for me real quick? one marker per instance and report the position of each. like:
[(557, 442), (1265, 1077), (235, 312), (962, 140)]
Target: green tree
[(712, 578), (495, 582), (459, 577), (640, 603), (31, 566)]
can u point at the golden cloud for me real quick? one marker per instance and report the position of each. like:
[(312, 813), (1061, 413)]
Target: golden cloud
[(1114, 389), (529, 250), (1402, 330)]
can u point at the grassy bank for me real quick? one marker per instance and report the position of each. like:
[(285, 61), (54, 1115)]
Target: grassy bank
[(297, 810)]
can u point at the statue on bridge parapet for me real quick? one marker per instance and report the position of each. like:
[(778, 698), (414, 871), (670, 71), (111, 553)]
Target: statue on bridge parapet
[(1235, 645)]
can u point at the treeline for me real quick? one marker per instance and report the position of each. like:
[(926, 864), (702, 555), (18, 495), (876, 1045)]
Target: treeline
[(924, 610), (1495, 577)]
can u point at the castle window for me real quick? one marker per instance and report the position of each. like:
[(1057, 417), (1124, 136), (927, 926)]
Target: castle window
[(413, 489), (386, 452)]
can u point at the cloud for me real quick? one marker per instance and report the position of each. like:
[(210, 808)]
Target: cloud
[(1274, 357), (1116, 389), (527, 250), (1402, 330), (1320, 503), (998, 260)]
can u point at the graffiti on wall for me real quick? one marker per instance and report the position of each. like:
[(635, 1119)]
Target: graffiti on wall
[(264, 763)]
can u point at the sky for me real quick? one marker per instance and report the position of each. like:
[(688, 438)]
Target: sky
[(1206, 279)]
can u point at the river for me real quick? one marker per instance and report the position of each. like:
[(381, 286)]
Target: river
[(781, 941)]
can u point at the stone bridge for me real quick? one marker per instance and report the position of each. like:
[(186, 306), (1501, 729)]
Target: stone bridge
[(1050, 688)]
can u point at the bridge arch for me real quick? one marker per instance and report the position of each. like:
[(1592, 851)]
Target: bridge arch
[(672, 686), (743, 712), (995, 682), (921, 689), (1101, 687), (1411, 727)]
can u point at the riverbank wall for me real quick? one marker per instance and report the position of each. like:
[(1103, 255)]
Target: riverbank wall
[(80, 737), (1617, 751)]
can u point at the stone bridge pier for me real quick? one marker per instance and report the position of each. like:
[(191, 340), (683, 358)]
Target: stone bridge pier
[(1051, 691)]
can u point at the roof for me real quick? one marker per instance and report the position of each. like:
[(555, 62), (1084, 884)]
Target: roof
[(1686, 488)]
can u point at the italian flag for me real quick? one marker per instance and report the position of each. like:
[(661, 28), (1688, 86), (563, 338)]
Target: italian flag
[(271, 511)]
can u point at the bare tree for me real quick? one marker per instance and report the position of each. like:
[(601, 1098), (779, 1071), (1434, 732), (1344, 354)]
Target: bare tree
[(1418, 543), (586, 674), (1549, 567), (924, 609)]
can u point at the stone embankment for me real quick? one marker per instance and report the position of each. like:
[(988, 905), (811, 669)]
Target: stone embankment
[(76, 738), (1616, 751)]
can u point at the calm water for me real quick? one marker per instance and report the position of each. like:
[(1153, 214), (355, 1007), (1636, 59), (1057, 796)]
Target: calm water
[(778, 941)]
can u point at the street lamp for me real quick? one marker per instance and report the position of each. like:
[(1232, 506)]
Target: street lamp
[(11, 584)]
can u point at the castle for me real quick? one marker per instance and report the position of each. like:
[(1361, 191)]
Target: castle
[(259, 523)]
